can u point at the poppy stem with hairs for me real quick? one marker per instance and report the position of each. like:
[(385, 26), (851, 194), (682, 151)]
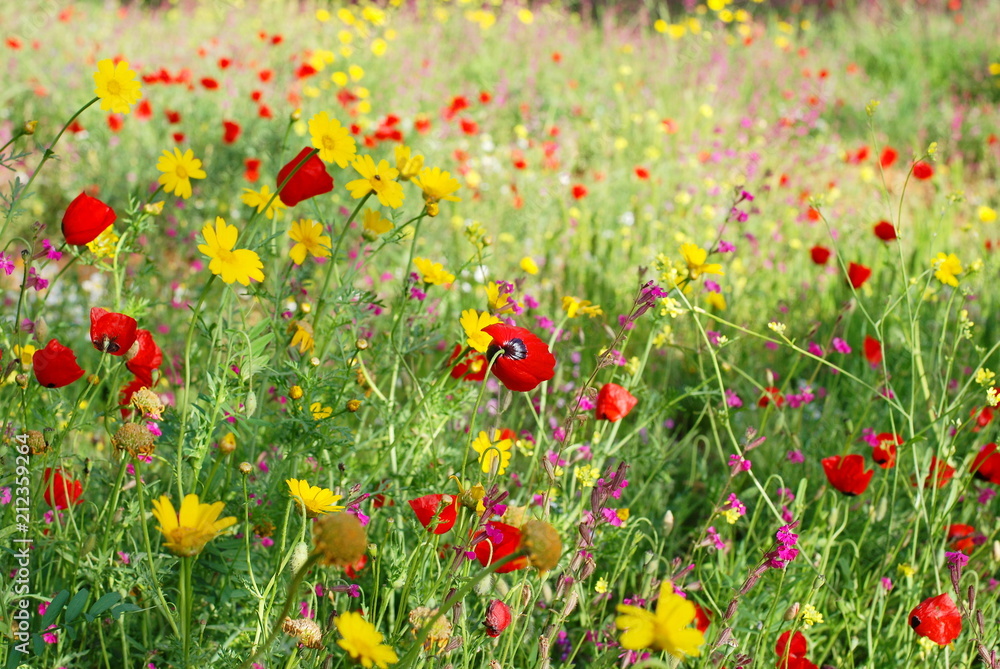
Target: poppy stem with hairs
[(293, 590), (456, 597), (48, 153), (185, 408)]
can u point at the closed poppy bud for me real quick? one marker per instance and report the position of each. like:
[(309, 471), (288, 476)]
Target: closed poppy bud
[(55, 365), (112, 332), (310, 180), (497, 618), (937, 618), (847, 474), (613, 402), (857, 274), (521, 361), (85, 218), (436, 512), (885, 231)]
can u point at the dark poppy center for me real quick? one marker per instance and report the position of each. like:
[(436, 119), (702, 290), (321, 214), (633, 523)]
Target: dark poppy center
[(513, 349), (108, 345), (914, 622)]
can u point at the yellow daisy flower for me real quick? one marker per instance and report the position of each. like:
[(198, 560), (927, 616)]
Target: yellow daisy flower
[(231, 264), (185, 533), (695, 257), (437, 185), (433, 272), (363, 641), (178, 170), (407, 164), (374, 224), (489, 451), (667, 629), (333, 140), (947, 267), (303, 337), (310, 239), (260, 200), (378, 179), (116, 86), (316, 501), (473, 323)]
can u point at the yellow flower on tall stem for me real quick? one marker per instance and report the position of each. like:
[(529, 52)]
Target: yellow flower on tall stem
[(374, 224), (947, 267), (493, 451), (178, 169), (433, 272), (186, 532), (695, 257), (437, 185), (315, 500), (231, 264), (260, 201), (116, 86), (333, 140), (309, 239), (667, 629), (473, 323), (363, 641), (379, 179), (407, 164)]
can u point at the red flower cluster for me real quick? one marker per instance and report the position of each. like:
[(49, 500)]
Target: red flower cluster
[(111, 332)]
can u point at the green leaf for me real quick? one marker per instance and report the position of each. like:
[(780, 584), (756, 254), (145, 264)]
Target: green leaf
[(103, 604), (76, 605), (124, 607), (55, 606)]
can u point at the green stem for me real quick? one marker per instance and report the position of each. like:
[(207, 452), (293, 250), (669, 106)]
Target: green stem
[(147, 546)]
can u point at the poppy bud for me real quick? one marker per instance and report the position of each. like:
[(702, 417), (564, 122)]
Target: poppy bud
[(55, 365), (792, 611), (310, 180), (85, 218), (497, 618), (245, 468), (299, 556), (29, 127), (340, 539)]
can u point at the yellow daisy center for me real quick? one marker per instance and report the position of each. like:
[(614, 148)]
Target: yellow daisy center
[(181, 172), (114, 87), (329, 142)]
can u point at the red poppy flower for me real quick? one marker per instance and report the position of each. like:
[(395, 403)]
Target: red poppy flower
[(472, 368), (819, 254), (85, 218), (498, 617), (501, 540), (986, 466), (984, 418), (224, 63), (937, 618), (436, 512), (126, 393), (230, 131), (939, 475), (885, 231), (469, 127), (847, 474), (922, 170), (61, 491), (351, 570), (147, 358), (310, 180), (422, 125), (791, 652), (110, 332), (116, 122), (857, 274), (642, 173), (962, 538), (524, 361), (144, 110), (702, 618), (251, 169), (172, 116), (889, 156), (873, 351), (579, 191), (209, 83), (771, 394), (55, 365), (613, 402), (884, 454)]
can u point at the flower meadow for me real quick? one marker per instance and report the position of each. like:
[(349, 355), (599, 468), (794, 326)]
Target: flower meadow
[(444, 334)]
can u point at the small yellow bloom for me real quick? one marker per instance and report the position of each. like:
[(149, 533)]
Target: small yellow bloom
[(985, 377), (695, 257), (260, 201), (810, 616), (363, 641), (309, 239), (986, 214), (433, 272), (374, 224), (186, 532), (378, 179), (666, 629), (905, 570), (574, 306), (473, 323), (315, 500), (408, 165), (319, 412), (25, 353), (105, 244), (231, 264), (295, 392), (116, 86), (947, 267), (602, 586), (493, 451), (303, 337), (528, 265), (437, 185), (177, 171), (587, 475)]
